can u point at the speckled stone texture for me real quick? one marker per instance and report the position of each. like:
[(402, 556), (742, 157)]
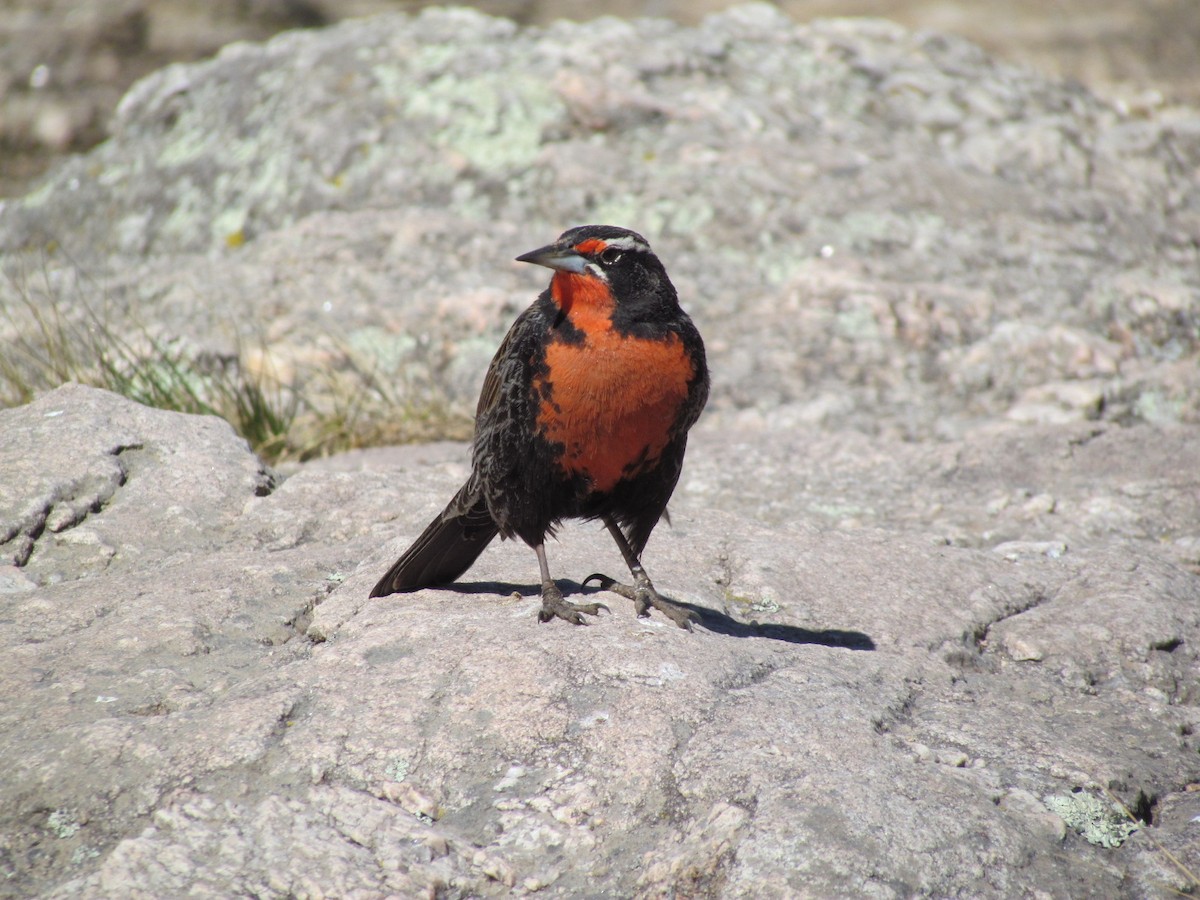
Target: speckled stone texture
[(200, 696), (878, 229), (939, 523)]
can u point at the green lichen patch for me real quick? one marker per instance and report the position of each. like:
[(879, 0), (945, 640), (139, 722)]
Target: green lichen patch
[(1096, 821), (62, 823)]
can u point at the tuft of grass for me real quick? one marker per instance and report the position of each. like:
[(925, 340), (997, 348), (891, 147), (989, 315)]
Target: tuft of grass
[(353, 407), (50, 343), (50, 334)]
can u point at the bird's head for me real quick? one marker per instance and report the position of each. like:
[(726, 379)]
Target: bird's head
[(601, 267)]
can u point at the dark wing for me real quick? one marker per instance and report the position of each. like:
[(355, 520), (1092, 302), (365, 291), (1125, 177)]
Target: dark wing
[(453, 541), (445, 549), (505, 405), (698, 389), (511, 370)]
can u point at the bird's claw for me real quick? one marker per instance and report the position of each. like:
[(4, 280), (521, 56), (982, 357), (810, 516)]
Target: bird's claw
[(555, 607), (644, 596)]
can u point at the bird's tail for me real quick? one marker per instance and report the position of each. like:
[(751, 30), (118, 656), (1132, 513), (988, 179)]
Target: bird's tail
[(446, 549)]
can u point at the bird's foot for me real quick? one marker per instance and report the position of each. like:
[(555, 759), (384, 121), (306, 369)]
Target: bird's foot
[(644, 596), (555, 607)]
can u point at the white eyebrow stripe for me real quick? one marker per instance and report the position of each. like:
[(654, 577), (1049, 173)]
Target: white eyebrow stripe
[(626, 242)]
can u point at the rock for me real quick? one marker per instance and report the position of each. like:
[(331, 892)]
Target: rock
[(926, 237), (1027, 804), (48, 499), (172, 722), (65, 66), (939, 524), (1014, 550), (56, 56)]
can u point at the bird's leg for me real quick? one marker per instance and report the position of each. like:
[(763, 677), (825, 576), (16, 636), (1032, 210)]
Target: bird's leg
[(641, 592), (553, 604)]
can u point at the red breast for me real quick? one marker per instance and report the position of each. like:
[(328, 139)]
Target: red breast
[(613, 398)]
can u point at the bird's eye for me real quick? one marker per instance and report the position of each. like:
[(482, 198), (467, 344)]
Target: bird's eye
[(610, 255)]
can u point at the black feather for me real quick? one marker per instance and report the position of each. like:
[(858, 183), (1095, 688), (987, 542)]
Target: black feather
[(443, 552)]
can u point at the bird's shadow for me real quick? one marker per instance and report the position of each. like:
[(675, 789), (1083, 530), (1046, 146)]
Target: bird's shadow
[(709, 619)]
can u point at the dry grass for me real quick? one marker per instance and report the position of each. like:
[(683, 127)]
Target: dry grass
[(55, 330)]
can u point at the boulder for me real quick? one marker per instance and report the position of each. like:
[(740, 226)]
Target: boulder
[(202, 698), (938, 524), (879, 230)]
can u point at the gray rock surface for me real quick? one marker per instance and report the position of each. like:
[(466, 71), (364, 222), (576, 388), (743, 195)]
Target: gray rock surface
[(64, 66), (940, 523), (202, 698), (878, 229)]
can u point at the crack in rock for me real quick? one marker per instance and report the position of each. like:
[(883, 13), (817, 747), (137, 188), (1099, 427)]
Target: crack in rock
[(65, 505), (1004, 607)]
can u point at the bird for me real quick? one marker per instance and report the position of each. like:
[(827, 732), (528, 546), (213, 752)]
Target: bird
[(584, 414)]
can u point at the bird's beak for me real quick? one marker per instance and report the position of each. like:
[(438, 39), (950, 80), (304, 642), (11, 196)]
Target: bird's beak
[(552, 256)]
